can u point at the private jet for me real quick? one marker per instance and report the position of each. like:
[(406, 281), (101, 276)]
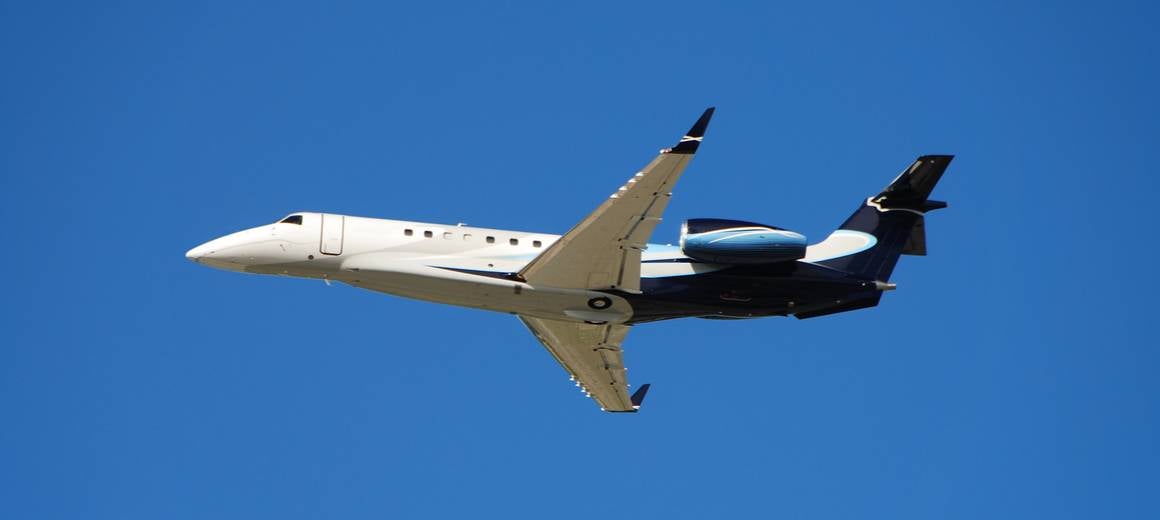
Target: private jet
[(581, 292)]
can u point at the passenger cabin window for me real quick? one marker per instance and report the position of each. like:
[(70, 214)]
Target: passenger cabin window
[(408, 232), (446, 236), (428, 234), (491, 240), (466, 237), (536, 243), (292, 219), (514, 241)]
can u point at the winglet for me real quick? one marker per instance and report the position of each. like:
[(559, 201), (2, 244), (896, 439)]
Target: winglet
[(692, 138), (638, 396)]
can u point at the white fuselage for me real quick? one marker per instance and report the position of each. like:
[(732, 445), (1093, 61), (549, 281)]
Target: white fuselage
[(453, 264)]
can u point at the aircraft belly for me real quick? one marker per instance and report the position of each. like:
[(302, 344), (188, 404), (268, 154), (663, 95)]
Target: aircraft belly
[(496, 294)]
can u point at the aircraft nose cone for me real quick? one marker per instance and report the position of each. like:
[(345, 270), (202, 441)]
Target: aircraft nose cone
[(196, 253)]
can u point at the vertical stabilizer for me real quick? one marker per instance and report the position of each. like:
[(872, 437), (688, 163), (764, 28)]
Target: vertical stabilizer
[(887, 225)]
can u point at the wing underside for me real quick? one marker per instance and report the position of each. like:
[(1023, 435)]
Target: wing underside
[(591, 353), (603, 250)]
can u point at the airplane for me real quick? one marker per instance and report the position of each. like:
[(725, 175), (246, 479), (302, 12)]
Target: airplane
[(581, 292)]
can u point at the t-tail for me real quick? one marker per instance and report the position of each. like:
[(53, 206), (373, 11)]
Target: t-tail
[(887, 225)]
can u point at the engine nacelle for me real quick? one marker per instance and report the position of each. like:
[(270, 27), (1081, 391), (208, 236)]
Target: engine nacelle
[(722, 241)]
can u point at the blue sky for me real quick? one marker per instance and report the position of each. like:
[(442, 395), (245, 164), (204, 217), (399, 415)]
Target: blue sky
[(1012, 375)]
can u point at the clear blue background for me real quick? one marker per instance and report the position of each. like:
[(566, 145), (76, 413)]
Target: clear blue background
[(1012, 375)]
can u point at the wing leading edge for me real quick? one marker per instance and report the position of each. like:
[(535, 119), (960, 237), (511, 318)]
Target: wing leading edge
[(603, 250)]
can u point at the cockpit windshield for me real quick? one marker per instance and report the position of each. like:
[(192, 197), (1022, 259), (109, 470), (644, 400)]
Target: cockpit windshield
[(292, 219)]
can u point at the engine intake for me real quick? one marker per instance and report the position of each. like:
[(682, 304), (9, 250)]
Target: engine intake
[(723, 241)]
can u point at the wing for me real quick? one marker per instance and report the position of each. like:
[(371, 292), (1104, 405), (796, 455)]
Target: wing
[(592, 355), (603, 250)]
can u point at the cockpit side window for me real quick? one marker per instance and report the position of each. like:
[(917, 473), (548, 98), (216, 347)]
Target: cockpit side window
[(292, 219)]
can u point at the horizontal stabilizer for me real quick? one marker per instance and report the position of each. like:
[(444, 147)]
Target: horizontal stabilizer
[(912, 187)]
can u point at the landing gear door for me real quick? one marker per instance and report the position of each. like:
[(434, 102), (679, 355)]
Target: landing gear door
[(332, 230)]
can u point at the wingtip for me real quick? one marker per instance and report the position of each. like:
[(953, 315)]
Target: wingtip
[(702, 123), (638, 396), (692, 138)]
